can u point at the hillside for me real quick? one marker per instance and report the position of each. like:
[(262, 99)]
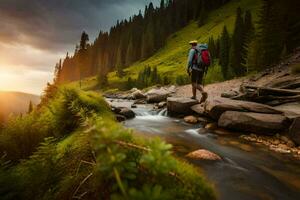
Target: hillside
[(171, 59), (16, 102)]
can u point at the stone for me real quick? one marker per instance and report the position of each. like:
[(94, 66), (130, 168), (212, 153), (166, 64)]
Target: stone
[(294, 131), (157, 95), (211, 126), (120, 118), (253, 122), (221, 131), (116, 110), (203, 154), (162, 104), (140, 101), (137, 95), (216, 107), (284, 139), (290, 144), (129, 114), (230, 94), (180, 106), (133, 106), (191, 119), (199, 109)]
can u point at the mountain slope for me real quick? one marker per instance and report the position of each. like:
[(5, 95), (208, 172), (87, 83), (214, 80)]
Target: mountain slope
[(171, 59), (16, 102)]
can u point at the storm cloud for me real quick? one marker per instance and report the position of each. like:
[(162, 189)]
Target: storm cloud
[(54, 24)]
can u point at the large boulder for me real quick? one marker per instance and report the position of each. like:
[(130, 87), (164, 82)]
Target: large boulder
[(129, 114), (294, 131), (178, 105), (157, 95), (203, 154), (253, 122), (216, 107)]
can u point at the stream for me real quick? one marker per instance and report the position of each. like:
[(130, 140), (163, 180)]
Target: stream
[(247, 171)]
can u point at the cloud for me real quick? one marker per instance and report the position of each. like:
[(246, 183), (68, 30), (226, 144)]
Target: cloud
[(35, 34), (56, 24)]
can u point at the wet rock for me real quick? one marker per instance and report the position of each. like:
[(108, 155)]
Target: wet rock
[(191, 119), (203, 154), (140, 101), (133, 106), (129, 114), (220, 131), (177, 106), (294, 131), (211, 126), (162, 104), (253, 122), (199, 109), (216, 107), (120, 118), (115, 110), (203, 120)]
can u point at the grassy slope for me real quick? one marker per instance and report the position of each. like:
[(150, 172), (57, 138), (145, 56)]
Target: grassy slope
[(171, 59)]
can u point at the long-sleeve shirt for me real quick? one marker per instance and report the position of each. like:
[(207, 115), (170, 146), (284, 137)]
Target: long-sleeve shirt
[(191, 58)]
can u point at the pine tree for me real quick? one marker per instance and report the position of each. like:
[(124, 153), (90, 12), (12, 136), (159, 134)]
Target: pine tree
[(119, 63), (129, 54), (83, 41), (237, 53), (249, 36), (224, 52), (30, 107)]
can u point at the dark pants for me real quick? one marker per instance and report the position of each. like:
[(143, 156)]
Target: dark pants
[(197, 76)]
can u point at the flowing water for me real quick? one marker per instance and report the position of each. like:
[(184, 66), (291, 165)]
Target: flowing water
[(247, 171)]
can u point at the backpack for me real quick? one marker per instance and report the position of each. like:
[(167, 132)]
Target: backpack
[(202, 56)]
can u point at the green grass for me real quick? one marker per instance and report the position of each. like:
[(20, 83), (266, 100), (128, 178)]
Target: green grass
[(171, 59)]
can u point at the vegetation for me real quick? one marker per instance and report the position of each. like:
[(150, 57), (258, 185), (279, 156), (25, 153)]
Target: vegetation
[(72, 147), (133, 39)]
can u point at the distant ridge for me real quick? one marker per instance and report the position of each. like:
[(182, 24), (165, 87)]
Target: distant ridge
[(12, 102)]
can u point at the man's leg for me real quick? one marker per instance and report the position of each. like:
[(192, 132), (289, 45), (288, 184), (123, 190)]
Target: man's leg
[(203, 93), (194, 90)]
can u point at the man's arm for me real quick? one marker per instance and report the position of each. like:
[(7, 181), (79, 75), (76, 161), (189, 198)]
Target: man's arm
[(190, 60)]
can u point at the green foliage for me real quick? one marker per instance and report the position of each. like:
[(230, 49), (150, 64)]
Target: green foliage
[(224, 52), (100, 159), (237, 52), (182, 79), (62, 115)]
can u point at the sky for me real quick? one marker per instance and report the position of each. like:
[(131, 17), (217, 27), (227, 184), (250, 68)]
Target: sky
[(35, 34)]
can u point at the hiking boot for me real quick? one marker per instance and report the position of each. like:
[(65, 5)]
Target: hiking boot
[(194, 98), (204, 97)]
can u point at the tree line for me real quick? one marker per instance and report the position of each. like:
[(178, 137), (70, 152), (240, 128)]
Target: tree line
[(257, 47), (132, 39)]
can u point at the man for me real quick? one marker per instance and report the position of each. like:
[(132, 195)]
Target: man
[(196, 70)]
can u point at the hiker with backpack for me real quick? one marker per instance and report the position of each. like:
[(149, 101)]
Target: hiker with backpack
[(198, 63)]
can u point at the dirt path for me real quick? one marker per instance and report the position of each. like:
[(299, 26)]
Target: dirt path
[(213, 90)]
